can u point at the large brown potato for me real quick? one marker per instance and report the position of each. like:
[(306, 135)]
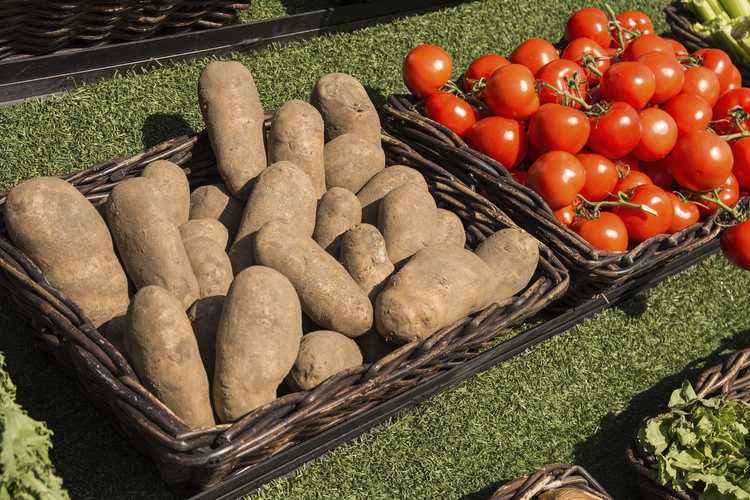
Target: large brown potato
[(449, 230), (57, 228), (164, 353), (234, 117), (351, 161), (204, 315), (215, 202), (257, 341), (513, 256), (346, 107), (322, 354), (382, 184), (172, 185), (211, 266), (338, 211), (205, 228), (407, 219), (365, 257)]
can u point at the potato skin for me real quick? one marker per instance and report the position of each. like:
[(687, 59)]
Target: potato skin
[(322, 354), (365, 257), (297, 136), (149, 244), (449, 230), (211, 266), (234, 118), (215, 202), (383, 183), (328, 294), (346, 107), (257, 341), (351, 161), (204, 315), (407, 220), (57, 228), (205, 228), (164, 353), (172, 185), (373, 347), (512, 255), (338, 210)]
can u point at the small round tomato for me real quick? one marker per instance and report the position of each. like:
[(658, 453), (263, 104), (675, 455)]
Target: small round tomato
[(502, 139), (729, 194), (731, 111), (510, 92), (658, 135), (719, 62), (701, 161), (426, 69), (601, 176), (520, 176), (741, 167), (641, 224), (591, 23), (627, 164), (558, 128), (658, 172), (690, 112), (589, 55), (558, 177), (646, 44), (668, 72), (735, 243), (566, 215), (607, 232), (735, 80), (451, 111), (684, 213), (629, 81), (635, 20), (629, 182), (482, 67), (559, 74), (703, 82), (679, 50), (534, 53), (615, 133)]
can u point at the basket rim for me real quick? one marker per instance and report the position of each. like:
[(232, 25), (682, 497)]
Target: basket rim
[(551, 477)]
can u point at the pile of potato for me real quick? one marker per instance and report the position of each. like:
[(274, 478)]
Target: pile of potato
[(310, 257)]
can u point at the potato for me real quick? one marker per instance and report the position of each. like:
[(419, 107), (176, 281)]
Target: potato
[(364, 256), (211, 266), (373, 347), (257, 341), (407, 219), (172, 185), (205, 228), (164, 353), (322, 354), (297, 136), (204, 315), (52, 223), (513, 256), (150, 246), (346, 107), (382, 184), (327, 293), (338, 210), (449, 230), (437, 287), (215, 202), (351, 161), (234, 118)]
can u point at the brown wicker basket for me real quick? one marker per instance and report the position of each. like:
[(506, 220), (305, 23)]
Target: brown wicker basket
[(193, 460), (730, 378), (591, 270), (550, 477)]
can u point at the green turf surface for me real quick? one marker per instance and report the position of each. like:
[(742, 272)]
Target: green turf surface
[(576, 398)]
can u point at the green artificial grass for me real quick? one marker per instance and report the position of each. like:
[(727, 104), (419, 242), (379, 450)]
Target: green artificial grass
[(578, 397)]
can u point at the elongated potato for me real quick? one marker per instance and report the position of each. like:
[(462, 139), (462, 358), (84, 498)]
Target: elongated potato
[(513, 256), (234, 117), (346, 107), (407, 219), (149, 244), (365, 257), (322, 354), (204, 315), (211, 266), (437, 287), (382, 184), (257, 341), (327, 293), (351, 161), (205, 228), (297, 136), (172, 185), (57, 228), (283, 192), (215, 202), (164, 353), (338, 211), (449, 230)]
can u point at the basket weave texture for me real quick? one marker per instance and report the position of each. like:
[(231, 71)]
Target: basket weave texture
[(551, 477)]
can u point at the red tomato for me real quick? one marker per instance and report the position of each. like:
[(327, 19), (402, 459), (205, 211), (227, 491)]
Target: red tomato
[(635, 20), (690, 112), (499, 138), (558, 74), (735, 80), (628, 164), (607, 232), (591, 23), (729, 195), (703, 82), (534, 53), (741, 168), (426, 69), (482, 67), (658, 135), (641, 224), (588, 54), (520, 176), (631, 82), (719, 62), (601, 176), (737, 99), (685, 213), (658, 172), (679, 50), (615, 133), (566, 215), (510, 92), (669, 74), (451, 111), (558, 177), (701, 161), (558, 128), (735, 243), (645, 44), (629, 182)]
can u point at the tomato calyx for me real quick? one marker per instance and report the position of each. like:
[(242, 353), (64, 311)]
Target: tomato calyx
[(621, 30), (713, 196), (691, 61), (452, 87), (591, 209), (590, 63), (737, 116)]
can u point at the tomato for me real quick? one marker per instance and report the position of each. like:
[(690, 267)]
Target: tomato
[(701, 161), (591, 23), (703, 82), (499, 138), (558, 128), (558, 177), (729, 195), (684, 214), (601, 176), (668, 72), (735, 243), (627, 164), (558, 74), (641, 224), (631, 82), (510, 92), (482, 67), (719, 62), (588, 54), (679, 50), (629, 182), (566, 215), (741, 168), (645, 44), (635, 20), (426, 69), (658, 172), (735, 80), (690, 112), (534, 53), (658, 135), (452, 111), (607, 232), (735, 101), (615, 133), (520, 176)]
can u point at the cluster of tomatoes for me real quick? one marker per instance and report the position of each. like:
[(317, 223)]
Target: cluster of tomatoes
[(625, 134)]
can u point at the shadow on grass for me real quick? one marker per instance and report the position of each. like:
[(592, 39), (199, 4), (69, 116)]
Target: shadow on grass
[(299, 6), (160, 127)]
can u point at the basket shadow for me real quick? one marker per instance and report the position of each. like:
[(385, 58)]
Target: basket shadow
[(486, 492), (160, 127), (300, 6)]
